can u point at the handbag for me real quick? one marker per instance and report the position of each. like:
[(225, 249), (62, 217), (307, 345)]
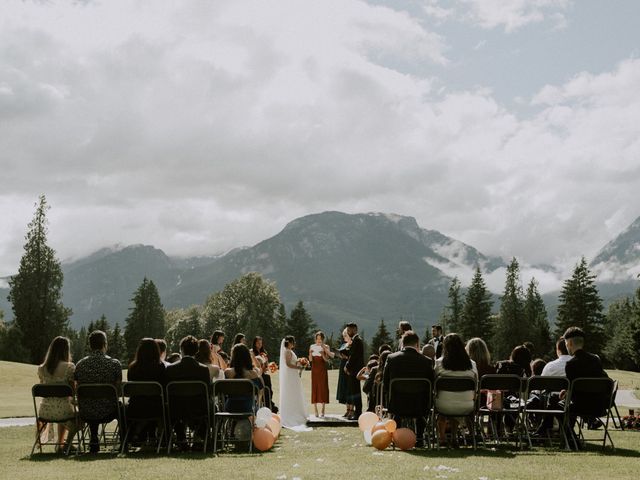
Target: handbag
[(494, 400)]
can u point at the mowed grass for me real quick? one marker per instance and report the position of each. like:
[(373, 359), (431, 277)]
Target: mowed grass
[(327, 452)]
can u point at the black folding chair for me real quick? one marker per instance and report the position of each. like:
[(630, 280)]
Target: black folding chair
[(417, 388), (507, 385), (599, 392), (224, 421), (619, 424), (542, 387), (458, 384), (152, 392), (52, 391), (188, 402), (107, 393)]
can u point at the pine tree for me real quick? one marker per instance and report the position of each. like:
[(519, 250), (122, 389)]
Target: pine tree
[(451, 318), (581, 306), (535, 317), (186, 322), (146, 318), (511, 329), (302, 327), (249, 305), (476, 318), (381, 337), (117, 345), (35, 292), (79, 343)]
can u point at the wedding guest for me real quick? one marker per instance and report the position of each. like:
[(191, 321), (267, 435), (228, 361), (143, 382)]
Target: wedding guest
[(319, 355), (368, 385), (241, 366), (479, 353), (261, 355), (555, 367), (352, 367), (383, 348), (342, 391), (147, 366), (378, 376), (57, 368), (537, 366), (239, 338), (97, 367), (173, 358), (436, 339), (403, 327), (455, 362), (519, 363), (205, 357), (220, 358), (162, 345), (429, 352)]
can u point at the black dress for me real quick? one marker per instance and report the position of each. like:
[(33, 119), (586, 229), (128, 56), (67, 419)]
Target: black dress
[(342, 392)]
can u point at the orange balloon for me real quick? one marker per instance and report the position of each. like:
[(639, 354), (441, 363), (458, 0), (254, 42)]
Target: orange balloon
[(379, 426), (381, 439), (404, 438), (263, 439), (391, 425), (274, 426)]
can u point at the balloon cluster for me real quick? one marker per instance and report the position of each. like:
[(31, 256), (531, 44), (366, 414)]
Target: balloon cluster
[(381, 433), (267, 429)]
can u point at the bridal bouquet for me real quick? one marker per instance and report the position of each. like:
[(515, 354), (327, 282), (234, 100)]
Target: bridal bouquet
[(303, 364), (273, 367)]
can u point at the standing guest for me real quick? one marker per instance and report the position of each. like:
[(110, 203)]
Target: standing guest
[(147, 366), (436, 339), (241, 366), (352, 367), (319, 355), (188, 369), (403, 327), (479, 353), (205, 357), (162, 345), (409, 363), (342, 391), (555, 368), (58, 368), (261, 355), (519, 363), (455, 362), (98, 367), (217, 339)]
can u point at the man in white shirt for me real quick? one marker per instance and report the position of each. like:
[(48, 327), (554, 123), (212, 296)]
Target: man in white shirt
[(555, 368)]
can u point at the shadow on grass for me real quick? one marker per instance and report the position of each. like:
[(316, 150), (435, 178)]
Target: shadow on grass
[(150, 455), (463, 453)]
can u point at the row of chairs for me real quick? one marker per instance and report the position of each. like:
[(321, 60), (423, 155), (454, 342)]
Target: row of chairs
[(513, 414), (205, 408)]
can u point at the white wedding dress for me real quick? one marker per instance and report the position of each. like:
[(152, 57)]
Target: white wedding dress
[(293, 412)]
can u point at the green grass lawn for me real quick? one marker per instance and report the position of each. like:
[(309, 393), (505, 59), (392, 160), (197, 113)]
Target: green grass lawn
[(323, 453)]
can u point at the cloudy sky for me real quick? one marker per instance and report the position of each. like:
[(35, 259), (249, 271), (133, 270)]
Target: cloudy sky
[(198, 126)]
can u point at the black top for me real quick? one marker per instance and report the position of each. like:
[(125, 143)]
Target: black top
[(408, 363), (356, 356)]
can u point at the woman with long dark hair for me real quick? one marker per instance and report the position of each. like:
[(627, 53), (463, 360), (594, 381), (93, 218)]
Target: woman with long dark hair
[(262, 359), (217, 340), (205, 357), (58, 368), (147, 366), (319, 355), (454, 362), (241, 366)]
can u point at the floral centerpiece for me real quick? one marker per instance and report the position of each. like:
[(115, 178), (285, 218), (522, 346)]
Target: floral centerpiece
[(631, 422)]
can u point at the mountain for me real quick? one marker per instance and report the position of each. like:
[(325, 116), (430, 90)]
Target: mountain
[(619, 260), (360, 268)]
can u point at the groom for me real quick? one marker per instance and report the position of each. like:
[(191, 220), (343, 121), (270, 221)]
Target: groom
[(352, 367)]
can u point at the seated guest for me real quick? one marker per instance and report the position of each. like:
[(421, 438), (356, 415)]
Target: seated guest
[(260, 354), (537, 366), (147, 366), (173, 358), (455, 362), (367, 387), (57, 368), (409, 363), (162, 345), (241, 366), (384, 348), (378, 377), (188, 369), (519, 363), (205, 357), (220, 358), (479, 353), (429, 351), (97, 367), (555, 368)]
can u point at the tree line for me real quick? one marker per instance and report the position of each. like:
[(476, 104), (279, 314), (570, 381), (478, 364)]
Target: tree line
[(252, 305)]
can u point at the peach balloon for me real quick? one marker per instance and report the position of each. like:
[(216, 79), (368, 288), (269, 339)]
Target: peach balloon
[(367, 420), (275, 427), (391, 425), (381, 439), (277, 417), (263, 439), (404, 438), (379, 426)]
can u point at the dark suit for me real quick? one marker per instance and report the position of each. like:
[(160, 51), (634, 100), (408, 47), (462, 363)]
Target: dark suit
[(584, 364), (353, 366), (186, 369), (408, 363), (436, 342)]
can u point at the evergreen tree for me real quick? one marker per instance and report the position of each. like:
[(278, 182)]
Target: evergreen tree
[(535, 317), (581, 306), (187, 322), (381, 337), (249, 305), (79, 343), (146, 318), (35, 292), (511, 329), (476, 318), (117, 345), (623, 348), (451, 318), (302, 327)]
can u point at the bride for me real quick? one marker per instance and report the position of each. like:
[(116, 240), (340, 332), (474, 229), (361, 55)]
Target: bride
[(292, 405)]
